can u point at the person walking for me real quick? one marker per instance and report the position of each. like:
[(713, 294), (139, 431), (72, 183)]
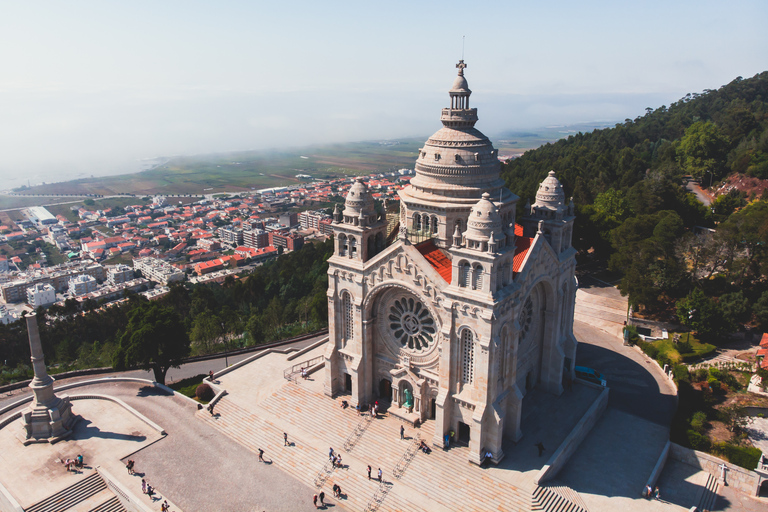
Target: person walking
[(402, 432), (322, 497), (285, 438), (314, 500), (369, 471), (541, 448), (143, 486), (261, 455), (330, 454), (379, 475)]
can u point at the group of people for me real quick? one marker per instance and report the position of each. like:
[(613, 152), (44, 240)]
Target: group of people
[(335, 458), (147, 488), (71, 464), (652, 493)]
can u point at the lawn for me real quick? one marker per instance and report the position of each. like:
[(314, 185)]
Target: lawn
[(188, 386), (689, 348)]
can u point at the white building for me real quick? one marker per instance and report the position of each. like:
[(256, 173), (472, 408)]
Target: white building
[(157, 270), (41, 294), (82, 285), (469, 308), (119, 274), (6, 316)]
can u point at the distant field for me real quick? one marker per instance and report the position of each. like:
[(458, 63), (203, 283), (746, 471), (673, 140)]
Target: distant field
[(7, 202), (98, 204), (231, 172)]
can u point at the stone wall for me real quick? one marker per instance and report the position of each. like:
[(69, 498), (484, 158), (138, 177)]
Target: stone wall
[(739, 478), (574, 439)]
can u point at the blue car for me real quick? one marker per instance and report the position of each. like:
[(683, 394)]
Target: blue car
[(590, 375)]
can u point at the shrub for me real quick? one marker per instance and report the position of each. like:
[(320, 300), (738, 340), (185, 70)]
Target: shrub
[(633, 337), (684, 347), (698, 421), (700, 375), (204, 392), (714, 384), (698, 441), (745, 456), (681, 373)]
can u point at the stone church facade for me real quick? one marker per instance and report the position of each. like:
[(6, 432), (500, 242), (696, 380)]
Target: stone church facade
[(469, 308)]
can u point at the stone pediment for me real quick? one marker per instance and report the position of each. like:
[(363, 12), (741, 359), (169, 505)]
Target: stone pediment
[(404, 263), (540, 260)]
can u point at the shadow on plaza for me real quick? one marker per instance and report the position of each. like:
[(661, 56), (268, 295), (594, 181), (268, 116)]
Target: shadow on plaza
[(633, 388), (85, 429), (151, 391)]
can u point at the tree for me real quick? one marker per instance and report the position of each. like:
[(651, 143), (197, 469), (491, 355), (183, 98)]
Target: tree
[(703, 149), (703, 315), (206, 329), (154, 339)]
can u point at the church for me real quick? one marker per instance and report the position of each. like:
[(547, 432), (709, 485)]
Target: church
[(459, 310)]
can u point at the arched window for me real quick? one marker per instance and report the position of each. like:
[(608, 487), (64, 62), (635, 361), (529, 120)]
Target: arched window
[(499, 278), (352, 247), (342, 245), (477, 278), (425, 222), (416, 222), (434, 225), (467, 356), (349, 323), (464, 274)]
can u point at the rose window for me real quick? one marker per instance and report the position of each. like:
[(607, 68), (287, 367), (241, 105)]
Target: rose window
[(411, 324), (526, 316)]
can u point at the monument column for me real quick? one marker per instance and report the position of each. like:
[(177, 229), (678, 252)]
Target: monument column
[(48, 418)]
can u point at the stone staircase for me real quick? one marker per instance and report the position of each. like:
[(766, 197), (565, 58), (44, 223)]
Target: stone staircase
[(708, 496), (87, 494), (111, 505), (557, 498), (412, 480)]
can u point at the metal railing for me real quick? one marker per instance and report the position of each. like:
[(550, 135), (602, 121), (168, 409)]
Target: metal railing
[(356, 434), (295, 370)]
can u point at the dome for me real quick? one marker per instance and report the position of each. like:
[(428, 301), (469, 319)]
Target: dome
[(460, 85), (359, 200), (484, 220), (550, 194)]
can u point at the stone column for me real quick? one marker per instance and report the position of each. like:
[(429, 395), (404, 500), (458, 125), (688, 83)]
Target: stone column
[(48, 418)]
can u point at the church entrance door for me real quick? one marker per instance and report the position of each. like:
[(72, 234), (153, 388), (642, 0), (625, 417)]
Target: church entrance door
[(347, 383), (385, 390), (464, 433), (432, 408)]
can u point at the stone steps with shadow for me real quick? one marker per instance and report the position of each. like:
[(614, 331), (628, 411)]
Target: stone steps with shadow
[(111, 505), (72, 496), (557, 499), (708, 497)]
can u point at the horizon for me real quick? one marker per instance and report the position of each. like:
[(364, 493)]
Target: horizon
[(95, 88)]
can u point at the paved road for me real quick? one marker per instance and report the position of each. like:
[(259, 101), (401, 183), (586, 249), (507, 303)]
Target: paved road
[(700, 194), (636, 386), (173, 375)]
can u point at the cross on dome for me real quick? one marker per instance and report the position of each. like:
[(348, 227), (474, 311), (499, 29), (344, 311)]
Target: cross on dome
[(461, 67)]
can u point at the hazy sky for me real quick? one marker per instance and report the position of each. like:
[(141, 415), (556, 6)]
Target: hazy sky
[(95, 86)]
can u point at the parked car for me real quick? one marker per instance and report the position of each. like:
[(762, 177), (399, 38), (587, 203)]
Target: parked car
[(590, 375)]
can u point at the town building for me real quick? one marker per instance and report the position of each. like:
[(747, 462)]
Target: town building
[(288, 241), (469, 308), (41, 295), (119, 274), (158, 270), (256, 238), (231, 235), (82, 284), (40, 216)]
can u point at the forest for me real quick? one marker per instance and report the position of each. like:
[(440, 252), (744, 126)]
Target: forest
[(635, 216)]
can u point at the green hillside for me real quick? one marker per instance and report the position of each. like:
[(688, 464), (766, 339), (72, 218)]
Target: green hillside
[(635, 214)]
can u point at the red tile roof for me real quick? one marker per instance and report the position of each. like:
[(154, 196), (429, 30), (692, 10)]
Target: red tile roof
[(436, 258), (764, 340), (522, 245)]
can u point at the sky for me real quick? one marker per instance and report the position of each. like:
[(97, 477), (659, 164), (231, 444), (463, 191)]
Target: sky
[(100, 87)]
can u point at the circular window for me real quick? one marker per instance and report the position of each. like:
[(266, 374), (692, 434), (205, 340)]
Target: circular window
[(411, 324), (526, 316)]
